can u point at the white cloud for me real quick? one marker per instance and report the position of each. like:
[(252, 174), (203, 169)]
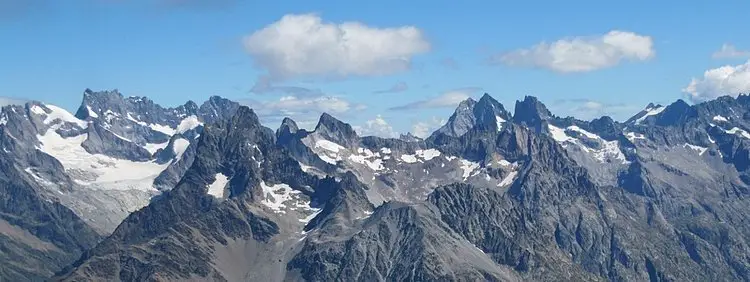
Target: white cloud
[(585, 109), (303, 46), (730, 51), (726, 80), (447, 99), (294, 105), (423, 129), (582, 54), (304, 110), (376, 127)]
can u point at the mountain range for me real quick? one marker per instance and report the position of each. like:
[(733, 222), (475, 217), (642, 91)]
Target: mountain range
[(127, 190)]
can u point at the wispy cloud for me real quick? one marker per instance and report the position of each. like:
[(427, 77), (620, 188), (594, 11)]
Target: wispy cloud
[(450, 63), (398, 87), (586, 109), (729, 51), (5, 101), (265, 86), (581, 54), (447, 99)]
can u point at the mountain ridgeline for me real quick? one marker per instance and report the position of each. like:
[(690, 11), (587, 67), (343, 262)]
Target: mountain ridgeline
[(128, 190)]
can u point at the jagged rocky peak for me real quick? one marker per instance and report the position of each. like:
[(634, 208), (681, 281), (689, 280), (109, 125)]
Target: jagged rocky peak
[(485, 114), (461, 121), (650, 110), (490, 114), (217, 108), (606, 127), (335, 130), (408, 137), (95, 102), (676, 113), (531, 112), (288, 126)]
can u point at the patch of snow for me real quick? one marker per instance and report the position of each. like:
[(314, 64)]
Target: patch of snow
[(650, 112), (92, 113), (188, 124), (329, 146), (328, 159), (720, 118), (155, 127), (152, 148), (468, 167), (366, 215), (500, 122), (179, 147), (558, 134), (99, 170), (504, 163), (60, 114), (700, 149), (385, 150), (449, 158), (736, 130), (217, 188), (409, 158), (162, 128), (310, 217), (276, 196), (130, 118), (376, 164), (508, 179), (304, 167), (632, 136), (584, 132), (37, 110), (428, 154)]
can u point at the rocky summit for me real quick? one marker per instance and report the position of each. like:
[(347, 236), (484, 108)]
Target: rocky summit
[(125, 189)]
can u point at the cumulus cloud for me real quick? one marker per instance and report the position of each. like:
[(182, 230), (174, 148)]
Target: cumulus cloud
[(376, 127), (303, 46), (729, 51), (447, 99), (582, 54), (398, 87), (423, 129), (726, 80), (586, 109)]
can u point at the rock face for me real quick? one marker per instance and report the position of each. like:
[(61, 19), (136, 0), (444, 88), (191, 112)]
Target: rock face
[(662, 196), (38, 236)]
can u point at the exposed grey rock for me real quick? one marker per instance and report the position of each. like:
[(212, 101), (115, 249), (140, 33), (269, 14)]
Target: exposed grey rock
[(487, 113), (660, 197)]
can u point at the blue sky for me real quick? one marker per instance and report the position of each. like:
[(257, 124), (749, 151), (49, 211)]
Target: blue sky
[(299, 58)]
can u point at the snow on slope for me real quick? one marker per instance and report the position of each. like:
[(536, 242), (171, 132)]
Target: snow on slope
[(216, 188), (188, 124), (179, 147), (607, 150), (89, 169), (650, 112)]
